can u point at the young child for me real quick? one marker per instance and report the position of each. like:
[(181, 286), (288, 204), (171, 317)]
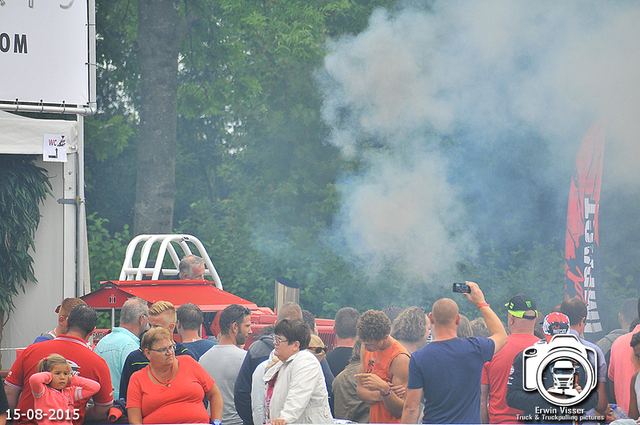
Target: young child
[(58, 393)]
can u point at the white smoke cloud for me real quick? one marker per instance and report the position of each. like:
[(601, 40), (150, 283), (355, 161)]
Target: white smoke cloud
[(474, 71), (403, 210)]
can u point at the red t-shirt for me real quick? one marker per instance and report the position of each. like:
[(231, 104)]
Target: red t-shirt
[(83, 361), (378, 363), (495, 373), (622, 368), (179, 403)]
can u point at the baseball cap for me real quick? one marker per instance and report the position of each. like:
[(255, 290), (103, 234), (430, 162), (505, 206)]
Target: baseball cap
[(554, 324), (521, 304)]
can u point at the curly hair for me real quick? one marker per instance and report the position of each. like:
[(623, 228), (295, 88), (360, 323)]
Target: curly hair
[(410, 325), (373, 325)]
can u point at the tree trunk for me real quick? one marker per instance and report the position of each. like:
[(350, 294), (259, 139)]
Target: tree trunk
[(159, 39)]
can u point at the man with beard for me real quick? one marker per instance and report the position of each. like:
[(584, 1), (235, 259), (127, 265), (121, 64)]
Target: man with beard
[(223, 361)]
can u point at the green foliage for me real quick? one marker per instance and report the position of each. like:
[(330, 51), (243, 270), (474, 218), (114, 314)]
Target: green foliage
[(106, 252), (23, 186), (537, 271), (110, 135), (256, 180), (614, 288)]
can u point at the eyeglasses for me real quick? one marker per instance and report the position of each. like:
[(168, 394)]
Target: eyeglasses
[(245, 312), (165, 350), (318, 350), (278, 341)]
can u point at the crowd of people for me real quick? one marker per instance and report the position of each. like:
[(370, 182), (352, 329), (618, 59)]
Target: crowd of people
[(390, 366)]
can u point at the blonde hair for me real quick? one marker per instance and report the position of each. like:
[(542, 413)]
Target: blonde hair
[(162, 307), (46, 364)]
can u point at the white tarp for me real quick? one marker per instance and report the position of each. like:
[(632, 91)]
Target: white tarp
[(20, 135), (44, 51), (55, 254)]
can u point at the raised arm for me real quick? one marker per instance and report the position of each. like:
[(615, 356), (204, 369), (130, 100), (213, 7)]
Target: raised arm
[(88, 387), (498, 334), (38, 382)]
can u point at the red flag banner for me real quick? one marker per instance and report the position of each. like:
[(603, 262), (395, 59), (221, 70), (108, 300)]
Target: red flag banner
[(582, 266)]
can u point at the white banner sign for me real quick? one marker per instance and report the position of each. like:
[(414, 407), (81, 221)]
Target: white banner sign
[(44, 51)]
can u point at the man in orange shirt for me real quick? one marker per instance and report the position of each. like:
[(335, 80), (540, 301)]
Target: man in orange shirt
[(384, 368)]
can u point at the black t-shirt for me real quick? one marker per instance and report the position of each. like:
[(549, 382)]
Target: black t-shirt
[(338, 359)]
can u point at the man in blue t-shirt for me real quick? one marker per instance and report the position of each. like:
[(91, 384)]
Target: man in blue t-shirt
[(449, 369)]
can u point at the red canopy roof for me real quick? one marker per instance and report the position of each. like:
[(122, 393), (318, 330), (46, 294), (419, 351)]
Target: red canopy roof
[(178, 292)]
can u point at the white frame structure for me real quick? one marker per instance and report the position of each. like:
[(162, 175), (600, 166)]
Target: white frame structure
[(144, 245)]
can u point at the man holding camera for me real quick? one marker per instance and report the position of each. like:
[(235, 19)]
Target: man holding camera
[(448, 370)]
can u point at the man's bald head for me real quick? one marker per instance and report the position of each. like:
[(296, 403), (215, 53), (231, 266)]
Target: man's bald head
[(444, 312)]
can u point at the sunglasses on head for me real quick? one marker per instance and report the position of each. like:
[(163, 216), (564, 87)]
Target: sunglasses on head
[(318, 350), (245, 312)]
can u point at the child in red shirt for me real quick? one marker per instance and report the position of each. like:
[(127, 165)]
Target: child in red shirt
[(58, 393)]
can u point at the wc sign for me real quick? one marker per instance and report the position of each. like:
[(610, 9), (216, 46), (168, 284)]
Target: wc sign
[(54, 148)]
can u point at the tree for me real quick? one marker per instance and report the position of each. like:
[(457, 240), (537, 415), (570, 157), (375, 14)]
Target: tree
[(23, 186), (159, 39), (250, 147)]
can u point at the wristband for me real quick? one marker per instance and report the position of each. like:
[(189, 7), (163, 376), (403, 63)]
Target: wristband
[(384, 395), (216, 422), (484, 304)]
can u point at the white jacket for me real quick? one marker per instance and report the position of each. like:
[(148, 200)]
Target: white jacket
[(258, 394), (300, 393)]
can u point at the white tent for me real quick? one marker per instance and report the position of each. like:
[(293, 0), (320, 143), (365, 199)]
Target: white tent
[(61, 236)]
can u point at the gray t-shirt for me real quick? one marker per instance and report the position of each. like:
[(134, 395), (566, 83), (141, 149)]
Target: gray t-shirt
[(223, 363)]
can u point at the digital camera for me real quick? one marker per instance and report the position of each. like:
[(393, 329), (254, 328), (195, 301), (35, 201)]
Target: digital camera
[(547, 365)]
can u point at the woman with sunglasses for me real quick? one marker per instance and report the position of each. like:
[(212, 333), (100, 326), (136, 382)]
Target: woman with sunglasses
[(170, 389), (295, 386)]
